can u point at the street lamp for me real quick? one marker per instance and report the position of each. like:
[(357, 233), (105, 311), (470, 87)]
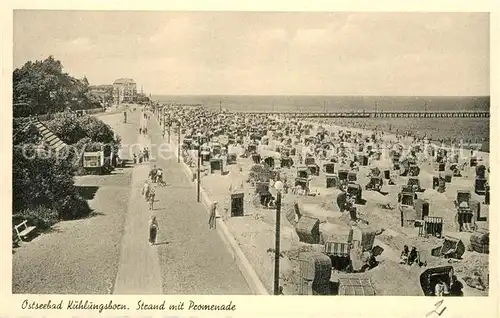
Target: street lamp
[(278, 185), (179, 141), (199, 165), (164, 122), (169, 124)]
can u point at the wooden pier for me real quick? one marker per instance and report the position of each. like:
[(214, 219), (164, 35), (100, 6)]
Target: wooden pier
[(376, 114)]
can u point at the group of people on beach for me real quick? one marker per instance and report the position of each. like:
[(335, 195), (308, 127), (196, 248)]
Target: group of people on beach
[(156, 176), (411, 257), (143, 130), (325, 144), (442, 289)]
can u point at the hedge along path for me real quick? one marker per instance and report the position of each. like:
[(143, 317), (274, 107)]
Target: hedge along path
[(139, 267)]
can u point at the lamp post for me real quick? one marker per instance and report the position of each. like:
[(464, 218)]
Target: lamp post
[(169, 125), (164, 123), (179, 142), (199, 167), (278, 185)]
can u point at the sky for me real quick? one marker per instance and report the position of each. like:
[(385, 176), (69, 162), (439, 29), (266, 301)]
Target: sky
[(265, 53)]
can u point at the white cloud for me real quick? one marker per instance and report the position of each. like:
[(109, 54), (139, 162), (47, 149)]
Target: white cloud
[(80, 44)]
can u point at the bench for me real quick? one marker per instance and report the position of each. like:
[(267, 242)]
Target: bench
[(27, 230)]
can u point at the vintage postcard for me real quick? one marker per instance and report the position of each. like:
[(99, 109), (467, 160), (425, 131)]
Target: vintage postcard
[(172, 161)]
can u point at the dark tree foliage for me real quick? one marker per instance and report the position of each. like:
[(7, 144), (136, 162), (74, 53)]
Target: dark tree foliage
[(84, 133), (67, 127), (41, 179), (41, 87), (43, 182)]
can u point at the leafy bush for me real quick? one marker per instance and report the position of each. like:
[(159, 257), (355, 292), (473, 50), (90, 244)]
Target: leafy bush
[(97, 130), (40, 181), (72, 129), (67, 127), (72, 207), (41, 217), (37, 179)]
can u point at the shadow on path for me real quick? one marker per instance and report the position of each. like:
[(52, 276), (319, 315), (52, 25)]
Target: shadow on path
[(87, 192)]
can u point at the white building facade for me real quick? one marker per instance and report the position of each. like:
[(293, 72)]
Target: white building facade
[(124, 90)]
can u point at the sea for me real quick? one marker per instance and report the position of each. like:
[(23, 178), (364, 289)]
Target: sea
[(471, 132)]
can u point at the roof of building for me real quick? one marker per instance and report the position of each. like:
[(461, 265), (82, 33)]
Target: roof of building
[(49, 137), (105, 86), (124, 81)]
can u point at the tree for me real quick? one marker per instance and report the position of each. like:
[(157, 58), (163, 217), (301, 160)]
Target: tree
[(97, 130), (71, 129), (41, 180), (41, 87), (67, 127)]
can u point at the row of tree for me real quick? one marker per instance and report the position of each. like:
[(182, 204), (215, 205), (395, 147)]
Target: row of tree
[(43, 182), (42, 87)]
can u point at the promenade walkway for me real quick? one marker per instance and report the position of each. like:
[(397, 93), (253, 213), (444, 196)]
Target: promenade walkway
[(193, 258), (188, 258), (139, 269)]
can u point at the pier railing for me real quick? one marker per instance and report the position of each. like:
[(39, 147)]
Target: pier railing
[(376, 114)]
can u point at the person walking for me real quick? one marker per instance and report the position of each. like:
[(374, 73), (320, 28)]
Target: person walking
[(212, 217), (151, 198), (153, 230), (145, 190), (152, 174), (159, 176)]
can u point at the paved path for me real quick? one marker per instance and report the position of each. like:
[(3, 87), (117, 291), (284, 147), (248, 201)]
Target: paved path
[(193, 258), (188, 257), (139, 269)]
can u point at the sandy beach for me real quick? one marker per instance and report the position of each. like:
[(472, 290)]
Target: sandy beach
[(255, 231)]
